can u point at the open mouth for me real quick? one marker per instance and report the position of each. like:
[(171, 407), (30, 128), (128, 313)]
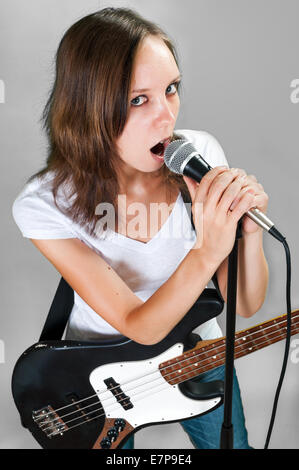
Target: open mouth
[(160, 147)]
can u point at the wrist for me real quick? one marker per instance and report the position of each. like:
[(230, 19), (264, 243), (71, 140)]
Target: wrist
[(256, 236), (252, 243), (205, 258)]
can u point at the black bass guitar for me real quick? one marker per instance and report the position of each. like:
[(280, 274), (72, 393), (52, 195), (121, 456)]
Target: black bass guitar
[(88, 395)]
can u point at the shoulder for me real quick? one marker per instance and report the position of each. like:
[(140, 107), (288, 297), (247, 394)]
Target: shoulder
[(35, 212), (36, 192), (207, 145)]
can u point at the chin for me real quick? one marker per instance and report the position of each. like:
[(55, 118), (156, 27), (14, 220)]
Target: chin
[(145, 164), (148, 165), (154, 168)]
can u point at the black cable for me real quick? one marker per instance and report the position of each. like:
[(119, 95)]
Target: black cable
[(288, 338)]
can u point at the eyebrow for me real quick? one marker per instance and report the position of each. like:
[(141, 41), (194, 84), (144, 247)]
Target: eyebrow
[(142, 90)]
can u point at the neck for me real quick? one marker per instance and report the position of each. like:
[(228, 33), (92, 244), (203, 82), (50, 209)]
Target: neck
[(136, 183), (210, 354)]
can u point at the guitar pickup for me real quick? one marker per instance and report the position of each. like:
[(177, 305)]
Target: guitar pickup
[(120, 396), (49, 421)]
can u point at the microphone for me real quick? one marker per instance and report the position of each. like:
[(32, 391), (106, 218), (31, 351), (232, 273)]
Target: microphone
[(181, 157)]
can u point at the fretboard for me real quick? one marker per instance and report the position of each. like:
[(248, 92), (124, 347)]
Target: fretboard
[(210, 354)]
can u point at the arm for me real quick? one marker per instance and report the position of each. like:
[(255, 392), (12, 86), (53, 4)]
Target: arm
[(253, 272), (110, 297)]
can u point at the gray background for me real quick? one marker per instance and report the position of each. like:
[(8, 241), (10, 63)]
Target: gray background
[(238, 59)]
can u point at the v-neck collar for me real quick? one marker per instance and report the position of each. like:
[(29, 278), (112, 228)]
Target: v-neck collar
[(121, 239)]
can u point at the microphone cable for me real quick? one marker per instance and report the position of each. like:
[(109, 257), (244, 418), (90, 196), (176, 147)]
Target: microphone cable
[(288, 338), (181, 157)]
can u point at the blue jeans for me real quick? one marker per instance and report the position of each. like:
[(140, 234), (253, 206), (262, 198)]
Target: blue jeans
[(204, 431)]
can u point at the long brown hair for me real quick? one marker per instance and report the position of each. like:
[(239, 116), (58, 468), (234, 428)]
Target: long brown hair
[(87, 109)]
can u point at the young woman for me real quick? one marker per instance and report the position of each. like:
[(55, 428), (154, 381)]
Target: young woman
[(110, 116)]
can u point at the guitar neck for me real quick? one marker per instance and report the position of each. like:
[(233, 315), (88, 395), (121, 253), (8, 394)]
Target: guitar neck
[(210, 354)]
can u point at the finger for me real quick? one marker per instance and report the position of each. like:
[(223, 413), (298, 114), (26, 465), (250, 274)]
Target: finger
[(200, 190), (220, 185), (232, 193), (191, 185), (252, 178), (240, 194), (244, 205), (238, 171), (258, 191), (261, 201)]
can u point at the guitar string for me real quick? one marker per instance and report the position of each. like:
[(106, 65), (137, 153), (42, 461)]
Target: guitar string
[(209, 349), (105, 399), (151, 392), (178, 362), (161, 377), (194, 356), (220, 357)]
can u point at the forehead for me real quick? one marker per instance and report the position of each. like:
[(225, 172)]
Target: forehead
[(153, 60)]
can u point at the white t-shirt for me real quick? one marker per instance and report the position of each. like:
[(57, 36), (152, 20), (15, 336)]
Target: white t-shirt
[(143, 266)]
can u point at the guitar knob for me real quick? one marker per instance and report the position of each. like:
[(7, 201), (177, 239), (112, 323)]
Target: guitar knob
[(119, 424), (105, 443), (112, 434)]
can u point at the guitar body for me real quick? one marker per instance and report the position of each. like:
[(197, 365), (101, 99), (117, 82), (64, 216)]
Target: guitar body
[(85, 395)]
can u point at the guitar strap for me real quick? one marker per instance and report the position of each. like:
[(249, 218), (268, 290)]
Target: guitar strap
[(59, 312), (63, 302)]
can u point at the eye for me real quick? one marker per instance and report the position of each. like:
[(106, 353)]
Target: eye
[(137, 101), (173, 88)]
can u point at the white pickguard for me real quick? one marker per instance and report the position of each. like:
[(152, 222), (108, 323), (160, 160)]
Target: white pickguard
[(153, 398)]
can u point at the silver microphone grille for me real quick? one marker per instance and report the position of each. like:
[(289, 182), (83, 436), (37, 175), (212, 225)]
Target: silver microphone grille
[(176, 154)]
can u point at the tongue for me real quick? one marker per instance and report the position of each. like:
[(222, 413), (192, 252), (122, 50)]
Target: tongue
[(158, 149)]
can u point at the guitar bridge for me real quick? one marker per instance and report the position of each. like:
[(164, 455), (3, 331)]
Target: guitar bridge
[(49, 421)]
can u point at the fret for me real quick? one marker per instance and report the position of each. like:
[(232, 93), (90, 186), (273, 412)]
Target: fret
[(204, 368), (210, 354), (188, 375)]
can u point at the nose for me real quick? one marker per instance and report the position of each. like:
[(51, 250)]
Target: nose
[(165, 112)]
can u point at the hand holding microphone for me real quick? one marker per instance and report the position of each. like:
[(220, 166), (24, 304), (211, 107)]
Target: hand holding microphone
[(260, 200), (214, 221), (227, 194), (249, 184)]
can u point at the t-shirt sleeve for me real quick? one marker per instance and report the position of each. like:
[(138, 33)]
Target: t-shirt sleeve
[(37, 216)]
